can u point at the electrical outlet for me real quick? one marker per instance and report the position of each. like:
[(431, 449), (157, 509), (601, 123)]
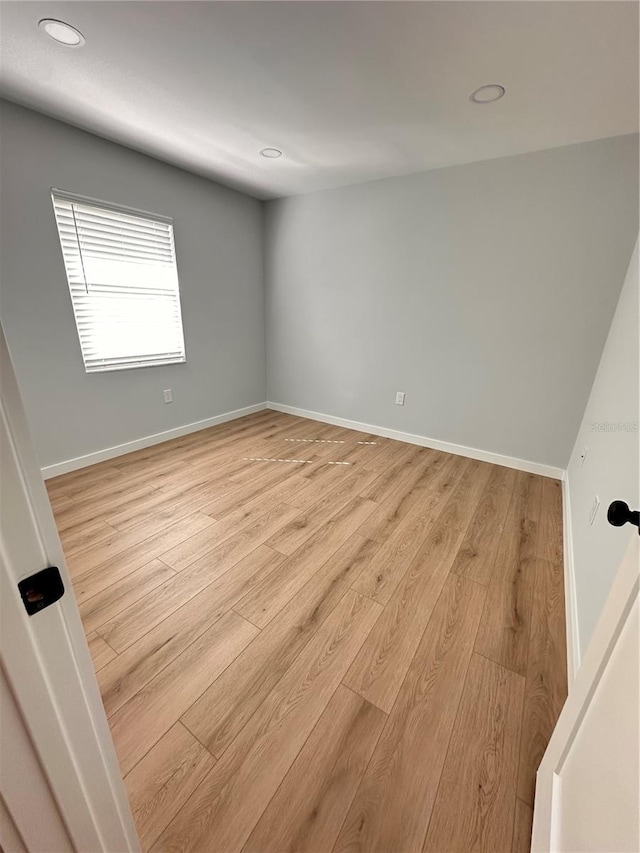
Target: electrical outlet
[(594, 510), (583, 456), (168, 395), (399, 398)]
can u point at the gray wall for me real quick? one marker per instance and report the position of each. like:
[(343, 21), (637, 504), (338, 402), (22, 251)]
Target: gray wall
[(485, 292), (218, 234), (609, 433)]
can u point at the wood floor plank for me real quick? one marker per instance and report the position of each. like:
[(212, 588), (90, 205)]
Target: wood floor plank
[(148, 715), (290, 459), (178, 481), (528, 490), (307, 811), (162, 507), (159, 454), (229, 438), (189, 550), (142, 660), (247, 511), (546, 684), (411, 461), (220, 713), (324, 455), (161, 783), (293, 535), (504, 630), (230, 801), (427, 484), (212, 464), (228, 441), (256, 424), (481, 767), (258, 483), (91, 487), (360, 457), (477, 554), (64, 483), (100, 652), (114, 570), (386, 570), (87, 536), (258, 464), (98, 609), (205, 441), (522, 827), (60, 501), (320, 473), (148, 456), (326, 479), (329, 438), (550, 546), (321, 454), (136, 620), (392, 806), (131, 477), (103, 563), (379, 670), (264, 602), (384, 455), (101, 507)]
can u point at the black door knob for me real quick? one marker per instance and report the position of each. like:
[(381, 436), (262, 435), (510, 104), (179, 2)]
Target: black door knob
[(619, 514)]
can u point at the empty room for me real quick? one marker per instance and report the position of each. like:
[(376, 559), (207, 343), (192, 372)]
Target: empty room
[(320, 451)]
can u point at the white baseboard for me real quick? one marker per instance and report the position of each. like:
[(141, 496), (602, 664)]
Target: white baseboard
[(148, 440), (423, 441), (570, 601)]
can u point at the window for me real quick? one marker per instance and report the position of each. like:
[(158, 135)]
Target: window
[(123, 280)]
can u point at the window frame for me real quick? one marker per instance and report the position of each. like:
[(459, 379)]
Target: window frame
[(64, 195)]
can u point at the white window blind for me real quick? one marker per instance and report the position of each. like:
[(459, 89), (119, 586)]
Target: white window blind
[(123, 280)]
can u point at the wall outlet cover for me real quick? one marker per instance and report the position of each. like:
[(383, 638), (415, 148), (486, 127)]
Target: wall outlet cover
[(399, 398), (168, 395)]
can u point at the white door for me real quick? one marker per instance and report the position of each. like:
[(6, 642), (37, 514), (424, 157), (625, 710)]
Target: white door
[(61, 784), (588, 792), (24, 789)]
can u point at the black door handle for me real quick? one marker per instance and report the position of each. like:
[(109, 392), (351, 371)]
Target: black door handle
[(619, 514)]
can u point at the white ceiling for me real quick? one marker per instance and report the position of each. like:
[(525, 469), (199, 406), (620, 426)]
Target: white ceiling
[(350, 91)]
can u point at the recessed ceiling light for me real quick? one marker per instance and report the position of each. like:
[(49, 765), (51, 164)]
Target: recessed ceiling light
[(271, 153), (487, 94), (62, 33)]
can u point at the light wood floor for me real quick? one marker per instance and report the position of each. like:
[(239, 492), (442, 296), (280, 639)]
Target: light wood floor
[(312, 639)]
